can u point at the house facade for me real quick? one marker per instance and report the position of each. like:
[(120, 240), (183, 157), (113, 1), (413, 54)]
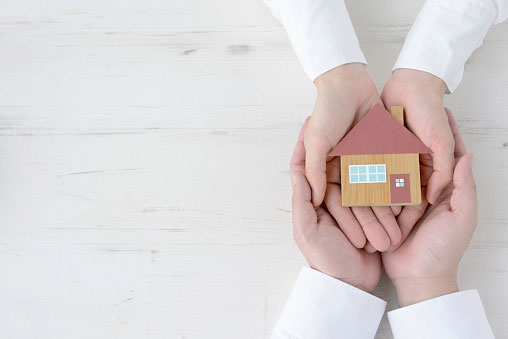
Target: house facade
[(380, 162)]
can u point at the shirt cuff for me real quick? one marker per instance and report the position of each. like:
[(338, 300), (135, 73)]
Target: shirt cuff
[(321, 33), (323, 307), (443, 37), (456, 315)]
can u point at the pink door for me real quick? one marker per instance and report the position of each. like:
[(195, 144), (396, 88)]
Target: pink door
[(399, 188)]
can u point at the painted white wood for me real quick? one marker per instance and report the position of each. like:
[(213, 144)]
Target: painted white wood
[(144, 148)]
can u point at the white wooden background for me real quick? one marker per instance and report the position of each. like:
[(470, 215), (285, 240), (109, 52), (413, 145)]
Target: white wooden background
[(144, 148)]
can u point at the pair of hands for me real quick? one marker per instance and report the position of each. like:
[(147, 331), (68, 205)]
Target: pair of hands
[(424, 263), (345, 94)]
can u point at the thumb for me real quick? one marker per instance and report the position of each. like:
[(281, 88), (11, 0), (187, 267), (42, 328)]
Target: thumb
[(443, 163), (316, 153), (463, 202)]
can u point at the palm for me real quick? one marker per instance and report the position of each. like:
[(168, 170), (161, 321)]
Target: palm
[(425, 250)]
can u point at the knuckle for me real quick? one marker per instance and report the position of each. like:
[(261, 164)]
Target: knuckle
[(371, 222), (384, 216)]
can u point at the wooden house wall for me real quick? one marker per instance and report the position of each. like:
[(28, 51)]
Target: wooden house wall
[(365, 194)]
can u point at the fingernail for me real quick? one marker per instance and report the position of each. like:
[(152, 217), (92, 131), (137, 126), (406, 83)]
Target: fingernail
[(314, 198)]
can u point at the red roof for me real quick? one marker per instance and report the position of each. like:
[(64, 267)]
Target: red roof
[(378, 132)]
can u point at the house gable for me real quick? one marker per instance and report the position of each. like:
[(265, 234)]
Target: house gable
[(378, 132)]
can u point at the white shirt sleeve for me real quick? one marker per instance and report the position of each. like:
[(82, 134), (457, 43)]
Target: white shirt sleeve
[(322, 307), (454, 316), (320, 31), (445, 34)]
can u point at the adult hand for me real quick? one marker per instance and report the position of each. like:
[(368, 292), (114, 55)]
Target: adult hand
[(421, 94), (425, 265), (344, 95), (319, 238)]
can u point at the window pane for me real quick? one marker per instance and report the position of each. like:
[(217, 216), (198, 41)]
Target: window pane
[(368, 173), (401, 184)]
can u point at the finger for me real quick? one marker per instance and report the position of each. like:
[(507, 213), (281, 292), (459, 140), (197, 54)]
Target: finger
[(369, 248), (303, 213), (463, 201), (385, 216), (317, 149), (373, 230), (408, 218), (396, 210), (344, 217), (298, 158), (443, 164), (460, 147)]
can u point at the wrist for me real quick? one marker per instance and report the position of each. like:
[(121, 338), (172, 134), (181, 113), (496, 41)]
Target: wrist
[(340, 75), (420, 79), (364, 280), (411, 291), (358, 283)]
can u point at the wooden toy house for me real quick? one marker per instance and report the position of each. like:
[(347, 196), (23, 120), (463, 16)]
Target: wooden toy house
[(379, 160)]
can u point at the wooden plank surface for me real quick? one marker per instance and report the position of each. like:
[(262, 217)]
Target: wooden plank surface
[(144, 148), (398, 113), (380, 194)]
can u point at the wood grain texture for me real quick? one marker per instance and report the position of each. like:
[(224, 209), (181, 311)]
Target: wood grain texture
[(144, 148), (379, 194), (398, 113)]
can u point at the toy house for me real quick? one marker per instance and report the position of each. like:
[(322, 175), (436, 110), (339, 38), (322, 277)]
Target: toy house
[(379, 161)]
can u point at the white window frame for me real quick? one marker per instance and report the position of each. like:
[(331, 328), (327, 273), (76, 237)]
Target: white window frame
[(399, 182), (351, 167)]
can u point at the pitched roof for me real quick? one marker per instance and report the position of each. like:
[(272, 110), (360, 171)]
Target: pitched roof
[(378, 132)]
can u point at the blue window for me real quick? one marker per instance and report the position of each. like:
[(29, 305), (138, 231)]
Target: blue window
[(362, 174), (399, 182)]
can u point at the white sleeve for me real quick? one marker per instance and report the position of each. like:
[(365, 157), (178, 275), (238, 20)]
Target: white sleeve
[(452, 316), (445, 34), (320, 31), (322, 307)]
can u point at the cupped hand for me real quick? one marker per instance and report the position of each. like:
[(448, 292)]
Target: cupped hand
[(323, 244), (421, 94), (425, 265), (344, 95)]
